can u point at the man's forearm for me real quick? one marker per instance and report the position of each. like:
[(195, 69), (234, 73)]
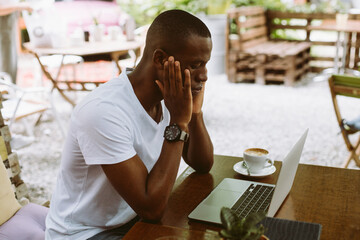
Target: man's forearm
[(199, 151), (147, 192)]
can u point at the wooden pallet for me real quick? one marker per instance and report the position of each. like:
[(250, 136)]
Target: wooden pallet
[(264, 69), (11, 161), (253, 57)]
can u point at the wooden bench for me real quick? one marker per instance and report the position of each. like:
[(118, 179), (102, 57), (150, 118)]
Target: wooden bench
[(251, 56)]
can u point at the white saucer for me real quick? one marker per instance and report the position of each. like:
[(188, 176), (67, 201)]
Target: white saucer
[(239, 168)]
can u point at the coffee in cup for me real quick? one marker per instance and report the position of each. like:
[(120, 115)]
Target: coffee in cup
[(256, 159)]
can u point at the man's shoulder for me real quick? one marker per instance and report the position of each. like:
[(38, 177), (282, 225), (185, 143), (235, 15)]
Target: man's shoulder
[(109, 92)]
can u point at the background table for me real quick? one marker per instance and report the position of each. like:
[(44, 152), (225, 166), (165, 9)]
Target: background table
[(351, 26), (114, 49), (325, 195), (147, 231)]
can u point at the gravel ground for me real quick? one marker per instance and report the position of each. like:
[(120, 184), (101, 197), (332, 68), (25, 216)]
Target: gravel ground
[(238, 116)]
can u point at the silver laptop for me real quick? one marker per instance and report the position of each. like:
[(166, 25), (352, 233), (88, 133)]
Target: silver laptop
[(247, 196)]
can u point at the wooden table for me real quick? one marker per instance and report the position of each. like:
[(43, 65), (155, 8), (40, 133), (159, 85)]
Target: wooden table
[(325, 195), (148, 231), (113, 48), (352, 26)]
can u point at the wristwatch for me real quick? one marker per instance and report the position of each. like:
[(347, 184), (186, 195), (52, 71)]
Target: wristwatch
[(174, 133)]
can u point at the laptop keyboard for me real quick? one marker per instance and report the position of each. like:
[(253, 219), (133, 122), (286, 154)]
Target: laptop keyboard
[(256, 198)]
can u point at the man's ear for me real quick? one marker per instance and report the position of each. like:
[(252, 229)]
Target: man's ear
[(159, 58)]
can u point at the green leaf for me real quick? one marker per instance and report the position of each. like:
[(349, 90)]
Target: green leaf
[(253, 218), (241, 229), (228, 218), (224, 233)]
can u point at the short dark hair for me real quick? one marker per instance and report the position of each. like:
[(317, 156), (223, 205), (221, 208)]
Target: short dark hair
[(174, 27)]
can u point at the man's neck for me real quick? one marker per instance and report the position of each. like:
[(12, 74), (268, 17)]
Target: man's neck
[(146, 90)]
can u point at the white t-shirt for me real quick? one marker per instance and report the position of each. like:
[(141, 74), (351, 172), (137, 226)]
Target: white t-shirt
[(109, 126)]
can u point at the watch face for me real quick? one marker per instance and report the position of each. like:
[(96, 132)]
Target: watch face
[(172, 133)]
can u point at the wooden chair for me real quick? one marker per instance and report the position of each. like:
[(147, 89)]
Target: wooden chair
[(55, 61), (21, 103), (349, 86)]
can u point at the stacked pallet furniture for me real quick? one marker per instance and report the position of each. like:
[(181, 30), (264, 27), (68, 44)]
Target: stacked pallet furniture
[(251, 56), (19, 217), (11, 161)]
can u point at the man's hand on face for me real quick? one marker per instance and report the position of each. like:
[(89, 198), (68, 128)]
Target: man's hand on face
[(176, 92), (198, 100)]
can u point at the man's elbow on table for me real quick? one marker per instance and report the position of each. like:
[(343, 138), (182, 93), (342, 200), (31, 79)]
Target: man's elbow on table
[(203, 164), (203, 168), (152, 215)]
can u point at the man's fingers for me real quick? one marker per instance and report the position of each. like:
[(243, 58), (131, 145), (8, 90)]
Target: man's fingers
[(160, 85), (171, 73), (178, 78), (166, 84), (187, 83), (203, 87)]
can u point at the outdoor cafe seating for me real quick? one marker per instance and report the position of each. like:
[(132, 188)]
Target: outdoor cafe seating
[(325, 197), (348, 86), (72, 31), (20, 104)]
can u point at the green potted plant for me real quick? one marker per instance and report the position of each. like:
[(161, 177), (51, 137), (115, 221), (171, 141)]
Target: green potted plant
[(236, 228)]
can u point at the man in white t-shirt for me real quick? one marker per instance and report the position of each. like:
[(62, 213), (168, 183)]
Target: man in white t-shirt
[(8, 28), (126, 138)]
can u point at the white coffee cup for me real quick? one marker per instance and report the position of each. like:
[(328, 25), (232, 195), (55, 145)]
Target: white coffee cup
[(256, 159)]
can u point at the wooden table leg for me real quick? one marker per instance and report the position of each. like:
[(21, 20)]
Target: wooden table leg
[(54, 82), (354, 155), (357, 153), (115, 58), (116, 55), (336, 60)]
